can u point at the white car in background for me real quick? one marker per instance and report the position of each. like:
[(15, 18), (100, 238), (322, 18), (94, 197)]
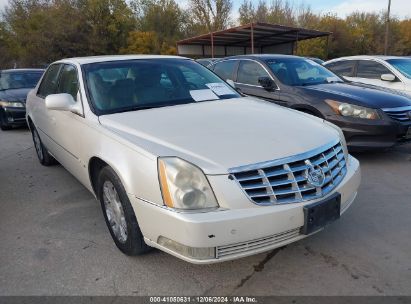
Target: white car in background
[(182, 162), (393, 72)]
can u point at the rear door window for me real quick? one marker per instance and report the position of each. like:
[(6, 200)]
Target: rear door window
[(50, 81)]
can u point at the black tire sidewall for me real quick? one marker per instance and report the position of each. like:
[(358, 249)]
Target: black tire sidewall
[(134, 244), (3, 122), (47, 160), (33, 132)]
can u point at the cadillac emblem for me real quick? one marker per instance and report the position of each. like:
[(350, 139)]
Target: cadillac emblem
[(314, 174)]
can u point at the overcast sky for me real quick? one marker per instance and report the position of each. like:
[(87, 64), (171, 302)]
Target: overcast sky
[(400, 8)]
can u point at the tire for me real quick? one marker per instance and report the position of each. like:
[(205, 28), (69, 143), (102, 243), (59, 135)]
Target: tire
[(3, 122), (119, 214), (42, 154)]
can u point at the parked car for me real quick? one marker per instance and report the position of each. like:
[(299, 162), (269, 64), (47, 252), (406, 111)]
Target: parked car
[(392, 72), (181, 162), (207, 62), (370, 117), (14, 87)]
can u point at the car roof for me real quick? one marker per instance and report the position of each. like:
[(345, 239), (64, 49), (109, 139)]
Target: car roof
[(357, 57), (95, 59), (263, 56), (21, 70)]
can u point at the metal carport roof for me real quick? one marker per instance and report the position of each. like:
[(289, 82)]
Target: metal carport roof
[(254, 35)]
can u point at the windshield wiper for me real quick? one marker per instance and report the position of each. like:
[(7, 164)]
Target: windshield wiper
[(137, 108)]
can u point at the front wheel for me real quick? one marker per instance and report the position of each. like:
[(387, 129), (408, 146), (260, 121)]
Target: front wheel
[(119, 214), (3, 122), (42, 154)]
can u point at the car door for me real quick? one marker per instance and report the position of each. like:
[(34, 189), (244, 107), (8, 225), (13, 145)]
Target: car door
[(370, 71), (68, 127), (247, 80), (41, 116)]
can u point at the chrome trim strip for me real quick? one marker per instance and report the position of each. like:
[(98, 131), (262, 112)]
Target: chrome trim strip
[(281, 161), (399, 109)]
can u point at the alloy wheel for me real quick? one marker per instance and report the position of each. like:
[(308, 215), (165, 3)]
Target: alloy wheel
[(114, 211)]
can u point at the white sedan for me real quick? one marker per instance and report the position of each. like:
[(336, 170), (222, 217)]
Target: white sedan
[(180, 161), (392, 72)]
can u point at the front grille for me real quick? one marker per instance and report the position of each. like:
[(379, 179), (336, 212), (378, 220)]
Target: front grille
[(229, 250), (286, 180), (400, 114)]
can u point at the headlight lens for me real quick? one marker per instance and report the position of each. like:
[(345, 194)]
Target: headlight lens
[(12, 104), (184, 186), (347, 109)]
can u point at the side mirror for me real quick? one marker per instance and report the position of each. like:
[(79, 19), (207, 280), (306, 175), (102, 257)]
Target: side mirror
[(231, 83), (63, 102), (388, 77), (267, 83)]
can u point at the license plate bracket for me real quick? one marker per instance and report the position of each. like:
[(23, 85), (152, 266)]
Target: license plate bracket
[(320, 214)]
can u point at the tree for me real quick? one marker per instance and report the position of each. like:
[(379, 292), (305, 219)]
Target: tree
[(108, 23), (46, 30), (142, 43), (6, 58), (248, 13), (214, 15), (405, 34), (164, 17)]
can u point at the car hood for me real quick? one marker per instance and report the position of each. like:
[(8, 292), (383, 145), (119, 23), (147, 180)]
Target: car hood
[(219, 135), (15, 94), (360, 94)]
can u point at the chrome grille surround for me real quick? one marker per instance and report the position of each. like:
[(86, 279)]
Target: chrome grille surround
[(400, 113), (261, 243), (284, 181)]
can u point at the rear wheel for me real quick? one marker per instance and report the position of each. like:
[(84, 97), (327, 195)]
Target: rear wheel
[(119, 214), (42, 154)]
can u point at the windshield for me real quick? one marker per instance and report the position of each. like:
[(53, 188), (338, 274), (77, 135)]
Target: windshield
[(19, 80), (402, 65), (129, 85), (300, 72)]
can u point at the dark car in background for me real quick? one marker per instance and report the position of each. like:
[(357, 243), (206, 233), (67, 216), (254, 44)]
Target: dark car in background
[(14, 86), (370, 117)]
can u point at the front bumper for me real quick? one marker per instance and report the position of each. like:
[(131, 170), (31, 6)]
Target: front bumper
[(13, 116), (234, 233), (365, 134)]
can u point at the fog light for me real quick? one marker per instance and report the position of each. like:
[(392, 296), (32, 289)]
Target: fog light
[(199, 253)]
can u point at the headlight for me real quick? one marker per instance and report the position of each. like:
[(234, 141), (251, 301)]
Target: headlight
[(347, 109), (12, 104), (184, 186), (342, 139)]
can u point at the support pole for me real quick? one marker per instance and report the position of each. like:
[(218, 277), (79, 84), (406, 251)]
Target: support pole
[(387, 28), (296, 45), (328, 47), (212, 45), (252, 39)]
